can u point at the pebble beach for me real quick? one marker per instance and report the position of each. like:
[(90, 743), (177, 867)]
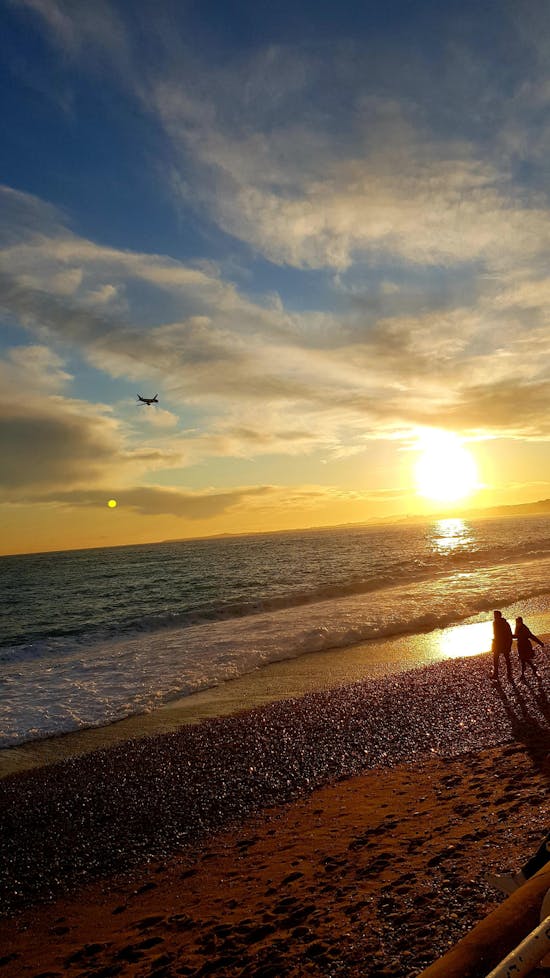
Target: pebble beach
[(345, 832)]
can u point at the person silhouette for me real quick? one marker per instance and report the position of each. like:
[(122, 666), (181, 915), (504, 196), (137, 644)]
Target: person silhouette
[(525, 649), (502, 644)]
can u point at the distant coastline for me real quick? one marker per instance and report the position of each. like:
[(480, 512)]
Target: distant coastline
[(540, 507)]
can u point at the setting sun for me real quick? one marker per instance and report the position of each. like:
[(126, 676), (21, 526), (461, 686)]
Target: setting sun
[(446, 470)]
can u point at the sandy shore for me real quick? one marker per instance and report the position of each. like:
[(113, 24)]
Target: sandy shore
[(344, 833)]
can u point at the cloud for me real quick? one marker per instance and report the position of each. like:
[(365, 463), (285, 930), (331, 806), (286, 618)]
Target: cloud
[(313, 181), (24, 215), (55, 442), (91, 31), (320, 156), (27, 373), (434, 213), (316, 153), (159, 418), (48, 438), (205, 504), (254, 378), (511, 408), (47, 448), (153, 500)]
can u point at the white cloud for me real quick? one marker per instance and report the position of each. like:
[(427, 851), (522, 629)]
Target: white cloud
[(28, 373), (315, 154), (256, 379), (312, 190), (77, 28)]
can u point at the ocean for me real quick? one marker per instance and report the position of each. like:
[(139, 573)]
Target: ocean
[(89, 637)]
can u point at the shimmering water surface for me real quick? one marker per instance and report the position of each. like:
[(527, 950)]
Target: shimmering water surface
[(87, 637)]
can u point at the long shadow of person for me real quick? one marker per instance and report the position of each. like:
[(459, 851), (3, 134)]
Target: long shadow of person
[(526, 725), (540, 697), (529, 726)]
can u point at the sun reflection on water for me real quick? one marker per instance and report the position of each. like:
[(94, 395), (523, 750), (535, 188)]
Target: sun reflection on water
[(450, 534), (466, 640)]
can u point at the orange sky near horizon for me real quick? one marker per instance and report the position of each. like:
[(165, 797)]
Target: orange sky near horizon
[(51, 527)]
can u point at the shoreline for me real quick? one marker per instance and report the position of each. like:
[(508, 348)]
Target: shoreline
[(280, 680), (345, 832), (158, 793)]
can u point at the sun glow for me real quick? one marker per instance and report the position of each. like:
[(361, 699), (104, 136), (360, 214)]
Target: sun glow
[(465, 640), (446, 470)]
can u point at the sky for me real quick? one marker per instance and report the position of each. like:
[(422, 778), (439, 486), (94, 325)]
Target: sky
[(318, 231)]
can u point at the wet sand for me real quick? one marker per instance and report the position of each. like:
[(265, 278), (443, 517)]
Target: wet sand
[(343, 833)]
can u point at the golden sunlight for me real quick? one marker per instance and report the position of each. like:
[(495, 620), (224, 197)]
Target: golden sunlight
[(446, 470), (466, 640), (450, 534)]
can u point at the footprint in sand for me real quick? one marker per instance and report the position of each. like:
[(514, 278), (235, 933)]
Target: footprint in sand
[(415, 843), (361, 842), (330, 863), (464, 809), (146, 887), (181, 921), (135, 952), (291, 878), (246, 843), (298, 916), (148, 922), (88, 951)]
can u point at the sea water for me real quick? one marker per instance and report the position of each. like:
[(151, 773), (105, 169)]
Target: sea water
[(88, 637)]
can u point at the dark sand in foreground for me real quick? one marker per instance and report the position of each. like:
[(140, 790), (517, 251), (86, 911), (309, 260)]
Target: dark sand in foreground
[(343, 833)]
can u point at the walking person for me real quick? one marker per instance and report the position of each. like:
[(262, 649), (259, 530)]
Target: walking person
[(502, 644), (525, 649)]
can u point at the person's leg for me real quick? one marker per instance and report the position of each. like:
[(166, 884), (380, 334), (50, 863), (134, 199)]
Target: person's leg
[(509, 882), (509, 672), (524, 664), (537, 861), (496, 655)]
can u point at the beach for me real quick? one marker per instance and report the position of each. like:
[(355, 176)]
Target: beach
[(344, 832), (275, 488)]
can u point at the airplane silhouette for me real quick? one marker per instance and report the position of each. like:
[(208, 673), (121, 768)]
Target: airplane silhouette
[(148, 400)]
